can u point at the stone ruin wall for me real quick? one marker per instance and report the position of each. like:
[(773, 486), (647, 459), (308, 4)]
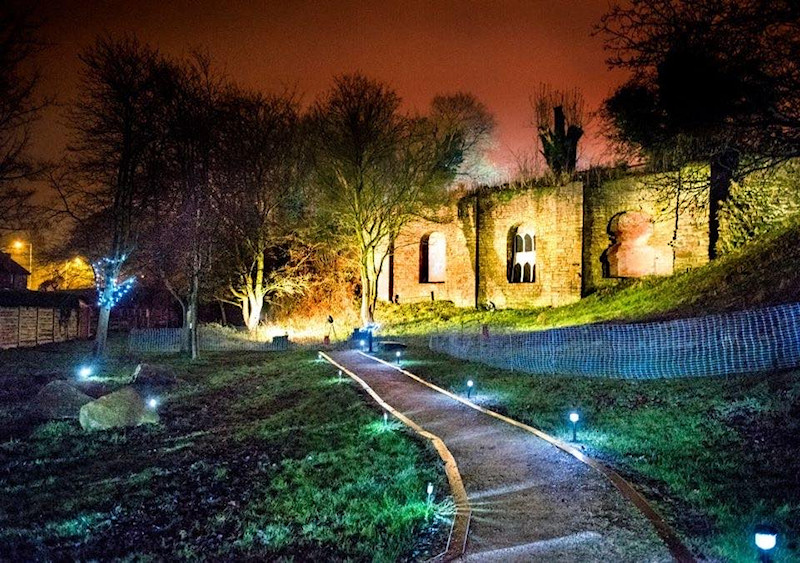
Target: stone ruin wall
[(571, 226), (604, 200)]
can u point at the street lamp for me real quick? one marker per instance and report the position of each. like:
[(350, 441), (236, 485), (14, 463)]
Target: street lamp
[(19, 246)]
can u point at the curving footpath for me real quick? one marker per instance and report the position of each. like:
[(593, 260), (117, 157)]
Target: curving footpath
[(529, 500)]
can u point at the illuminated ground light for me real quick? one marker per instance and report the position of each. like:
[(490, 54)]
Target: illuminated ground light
[(85, 372), (574, 418), (385, 419), (470, 386), (319, 356), (766, 538), (399, 356), (152, 403), (429, 490), (361, 343), (340, 376)]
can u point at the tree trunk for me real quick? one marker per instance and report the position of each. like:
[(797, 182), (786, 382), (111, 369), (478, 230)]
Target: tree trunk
[(102, 331), (367, 309), (193, 324), (185, 334), (223, 316), (723, 168), (255, 305)]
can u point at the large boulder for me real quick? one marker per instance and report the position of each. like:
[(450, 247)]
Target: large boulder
[(58, 399), (154, 375), (118, 409)]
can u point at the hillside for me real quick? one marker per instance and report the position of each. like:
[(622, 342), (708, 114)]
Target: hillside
[(761, 273)]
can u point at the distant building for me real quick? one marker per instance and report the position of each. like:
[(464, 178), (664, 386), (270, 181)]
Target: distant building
[(12, 275)]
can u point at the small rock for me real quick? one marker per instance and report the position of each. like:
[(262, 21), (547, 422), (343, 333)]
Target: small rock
[(121, 408), (58, 399), (154, 374)]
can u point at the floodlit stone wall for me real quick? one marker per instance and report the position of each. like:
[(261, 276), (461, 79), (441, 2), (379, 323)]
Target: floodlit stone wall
[(454, 226), (574, 230), (671, 250)]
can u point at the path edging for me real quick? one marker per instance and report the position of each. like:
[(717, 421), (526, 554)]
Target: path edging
[(457, 540), (674, 544)]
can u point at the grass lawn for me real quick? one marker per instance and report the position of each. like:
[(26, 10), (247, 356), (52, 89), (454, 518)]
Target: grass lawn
[(257, 456), (717, 455)]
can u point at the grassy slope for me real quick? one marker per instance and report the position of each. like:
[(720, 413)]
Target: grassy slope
[(717, 455), (762, 273), (258, 456)]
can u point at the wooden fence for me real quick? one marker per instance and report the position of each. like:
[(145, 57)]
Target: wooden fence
[(31, 326)]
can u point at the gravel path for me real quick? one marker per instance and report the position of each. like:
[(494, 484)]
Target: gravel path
[(530, 501)]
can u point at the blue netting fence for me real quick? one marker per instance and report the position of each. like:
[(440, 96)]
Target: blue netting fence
[(722, 344), (167, 340)]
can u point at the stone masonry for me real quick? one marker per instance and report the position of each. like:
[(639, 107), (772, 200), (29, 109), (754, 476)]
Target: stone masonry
[(570, 228)]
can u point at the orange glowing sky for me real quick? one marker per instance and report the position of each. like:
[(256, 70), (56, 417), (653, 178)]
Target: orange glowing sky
[(500, 50)]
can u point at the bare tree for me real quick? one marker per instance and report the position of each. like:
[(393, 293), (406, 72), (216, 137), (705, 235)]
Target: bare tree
[(19, 108), (718, 77), (196, 198), (108, 181), (376, 169), (559, 117), (262, 170)]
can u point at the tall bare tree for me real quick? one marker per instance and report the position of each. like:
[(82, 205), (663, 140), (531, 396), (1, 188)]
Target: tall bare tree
[(718, 79), (559, 117), (109, 180), (262, 170), (19, 108), (377, 168)]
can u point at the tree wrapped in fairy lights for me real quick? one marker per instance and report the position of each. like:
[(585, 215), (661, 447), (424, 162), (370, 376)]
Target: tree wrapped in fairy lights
[(106, 280)]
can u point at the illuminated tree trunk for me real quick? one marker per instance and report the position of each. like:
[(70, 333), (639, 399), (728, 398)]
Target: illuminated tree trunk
[(102, 331), (723, 168), (255, 305), (369, 285)]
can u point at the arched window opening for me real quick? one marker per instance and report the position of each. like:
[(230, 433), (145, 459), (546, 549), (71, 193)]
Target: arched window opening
[(433, 258), (522, 255)]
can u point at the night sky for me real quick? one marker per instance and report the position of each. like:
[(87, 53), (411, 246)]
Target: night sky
[(499, 50)]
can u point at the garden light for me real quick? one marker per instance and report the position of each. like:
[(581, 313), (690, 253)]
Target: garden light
[(319, 356), (765, 538), (361, 343), (385, 419), (84, 372), (470, 385), (152, 403), (340, 376), (398, 354), (574, 418)]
